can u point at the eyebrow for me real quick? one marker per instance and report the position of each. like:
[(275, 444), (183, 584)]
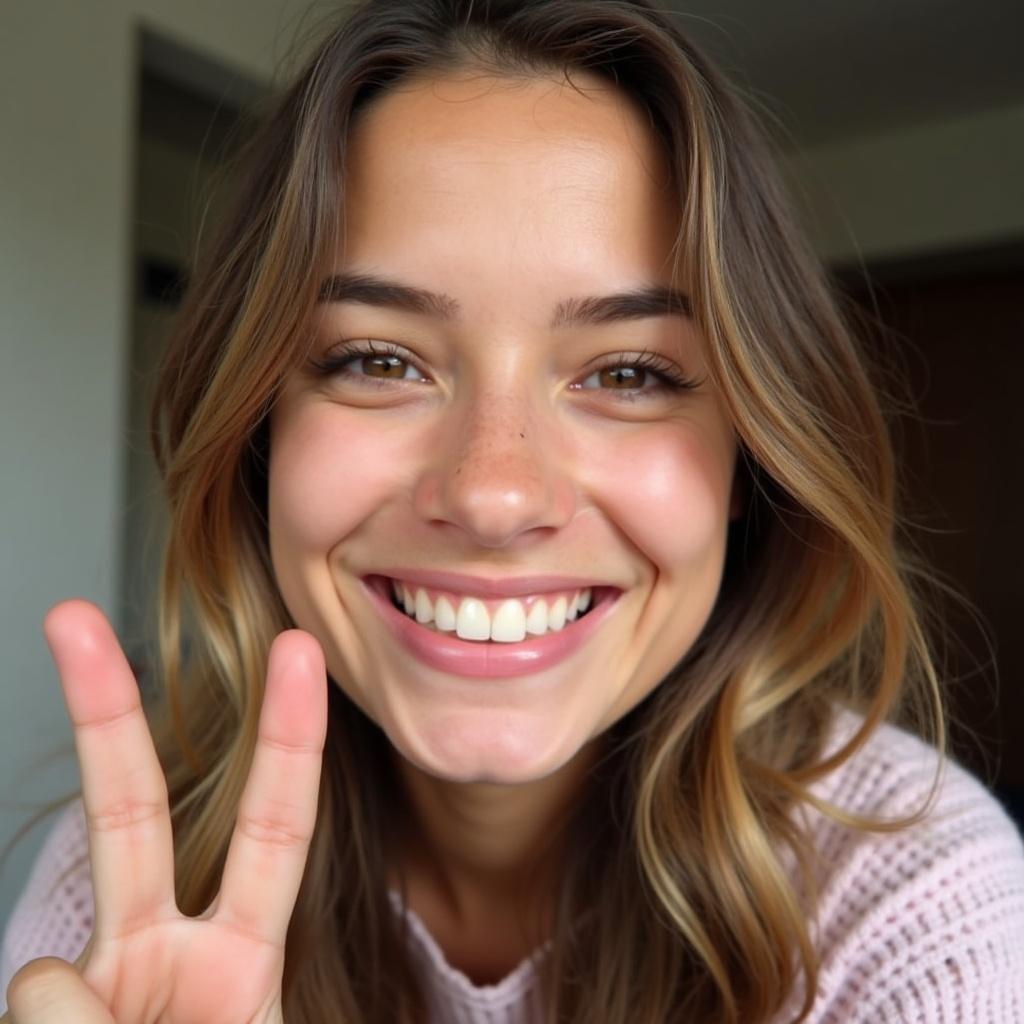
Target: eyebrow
[(594, 310)]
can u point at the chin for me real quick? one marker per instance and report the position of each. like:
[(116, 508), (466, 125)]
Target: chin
[(500, 754)]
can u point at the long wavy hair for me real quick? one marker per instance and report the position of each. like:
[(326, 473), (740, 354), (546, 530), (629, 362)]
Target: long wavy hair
[(688, 882)]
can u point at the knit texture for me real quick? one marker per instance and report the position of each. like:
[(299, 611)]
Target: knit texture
[(922, 926)]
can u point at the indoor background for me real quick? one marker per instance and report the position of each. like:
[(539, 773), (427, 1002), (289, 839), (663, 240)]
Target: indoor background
[(902, 128)]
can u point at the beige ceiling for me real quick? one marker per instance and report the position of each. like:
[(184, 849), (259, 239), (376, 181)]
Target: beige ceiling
[(832, 69)]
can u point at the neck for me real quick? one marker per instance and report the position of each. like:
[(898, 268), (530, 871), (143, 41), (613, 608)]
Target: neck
[(476, 847)]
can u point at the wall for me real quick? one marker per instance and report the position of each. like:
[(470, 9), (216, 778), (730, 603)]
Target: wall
[(946, 184)]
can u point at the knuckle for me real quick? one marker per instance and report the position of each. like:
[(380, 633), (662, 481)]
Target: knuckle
[(271, 831), (124, 815), (290, 748)]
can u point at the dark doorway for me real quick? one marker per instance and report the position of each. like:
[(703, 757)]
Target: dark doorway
[(186, 141), (957, 325)]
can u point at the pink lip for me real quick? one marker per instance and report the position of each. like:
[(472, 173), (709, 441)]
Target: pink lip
[(488, 659), (482, 586)]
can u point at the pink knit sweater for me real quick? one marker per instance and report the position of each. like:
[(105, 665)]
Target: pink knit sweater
[(924, 925)]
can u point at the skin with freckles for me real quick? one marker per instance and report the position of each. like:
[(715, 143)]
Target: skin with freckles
[(496, 444)]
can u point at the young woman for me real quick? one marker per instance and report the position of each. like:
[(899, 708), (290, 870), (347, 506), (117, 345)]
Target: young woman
[(512, 386)]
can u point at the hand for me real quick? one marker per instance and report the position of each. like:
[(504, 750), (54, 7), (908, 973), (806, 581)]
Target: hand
[(146, 962)]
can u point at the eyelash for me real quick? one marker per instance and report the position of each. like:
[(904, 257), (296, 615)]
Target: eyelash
[(670, 378)]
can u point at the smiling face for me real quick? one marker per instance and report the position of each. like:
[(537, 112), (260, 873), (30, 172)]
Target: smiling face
[(503, 433)]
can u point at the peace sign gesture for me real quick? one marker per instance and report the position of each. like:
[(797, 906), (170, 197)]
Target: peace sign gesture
[(146, 961)]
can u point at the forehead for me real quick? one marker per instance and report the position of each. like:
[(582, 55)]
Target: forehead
[(527, 161), (498, 110)]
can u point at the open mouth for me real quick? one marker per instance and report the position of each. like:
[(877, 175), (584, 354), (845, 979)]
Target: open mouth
[(478, 655), (541, 615)]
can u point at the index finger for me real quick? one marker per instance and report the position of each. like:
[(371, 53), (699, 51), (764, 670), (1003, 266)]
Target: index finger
[(123, 786)]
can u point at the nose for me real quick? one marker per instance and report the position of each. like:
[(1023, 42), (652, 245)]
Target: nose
[(498, 473)]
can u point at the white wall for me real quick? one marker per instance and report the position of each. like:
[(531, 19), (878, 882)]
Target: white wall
[(67, 87)]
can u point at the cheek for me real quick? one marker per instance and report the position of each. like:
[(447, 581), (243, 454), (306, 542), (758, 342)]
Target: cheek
[(670, 493), (328, 471)]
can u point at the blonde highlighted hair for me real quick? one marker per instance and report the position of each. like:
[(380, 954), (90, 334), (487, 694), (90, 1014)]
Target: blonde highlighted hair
[(675, 902)]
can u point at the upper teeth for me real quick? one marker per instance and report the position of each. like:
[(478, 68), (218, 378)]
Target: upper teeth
[(509, 623)]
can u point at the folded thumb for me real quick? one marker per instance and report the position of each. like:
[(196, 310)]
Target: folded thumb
[(51, 991)]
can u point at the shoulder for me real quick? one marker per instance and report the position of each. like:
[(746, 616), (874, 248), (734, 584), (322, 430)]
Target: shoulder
[(927, 922), (53, 915)]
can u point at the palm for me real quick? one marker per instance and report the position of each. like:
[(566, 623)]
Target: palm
[(195, 970), (146, 962)]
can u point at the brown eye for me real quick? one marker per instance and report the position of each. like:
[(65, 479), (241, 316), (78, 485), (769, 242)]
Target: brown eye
[(628, 374), (622, 376), (382, 366), (377, 362)]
